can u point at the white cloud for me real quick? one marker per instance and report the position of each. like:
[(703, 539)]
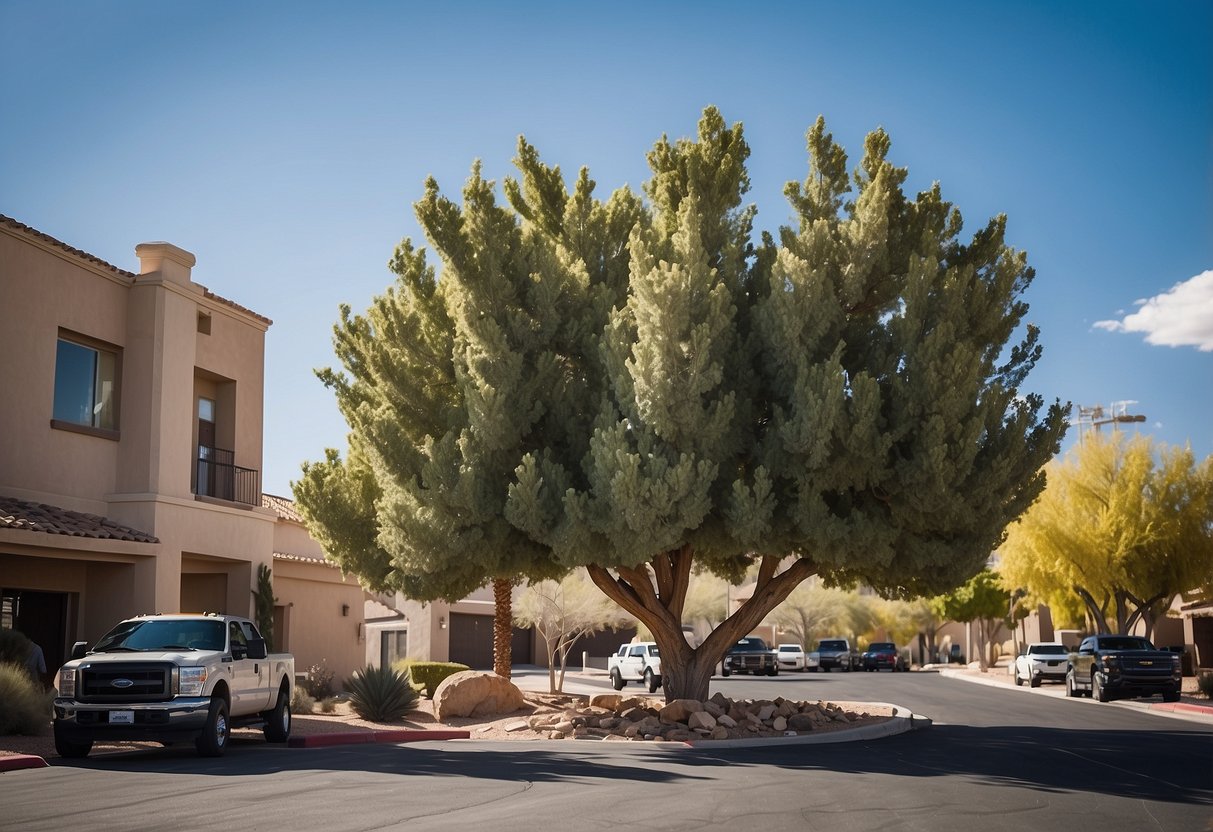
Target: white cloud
[(1180, 317)]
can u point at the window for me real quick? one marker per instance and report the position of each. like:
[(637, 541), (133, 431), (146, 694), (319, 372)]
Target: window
[(393, 646), (86, 386)]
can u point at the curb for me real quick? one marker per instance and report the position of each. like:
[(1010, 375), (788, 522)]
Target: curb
[(368, 737), (14, 762), (903, 721)]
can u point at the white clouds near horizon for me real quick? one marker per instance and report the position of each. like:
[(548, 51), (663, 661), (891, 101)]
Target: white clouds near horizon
[(1180, 317)]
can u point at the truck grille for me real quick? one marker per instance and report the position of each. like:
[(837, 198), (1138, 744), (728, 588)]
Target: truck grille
[(133, 682)]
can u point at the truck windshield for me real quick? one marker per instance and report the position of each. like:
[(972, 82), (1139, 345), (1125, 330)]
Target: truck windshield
[(145, 634), (832, 645), (1124, 643)]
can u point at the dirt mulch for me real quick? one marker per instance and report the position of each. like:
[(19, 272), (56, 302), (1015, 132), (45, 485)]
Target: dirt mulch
[(344, 720)]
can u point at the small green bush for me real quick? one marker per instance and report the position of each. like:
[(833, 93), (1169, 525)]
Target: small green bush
[(301, 701), (381, 694), (25, 708), (1205, 683), (427, 676), (14, 647)]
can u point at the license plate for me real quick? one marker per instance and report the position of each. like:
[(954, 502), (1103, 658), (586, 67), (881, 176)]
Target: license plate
[(122, 717)]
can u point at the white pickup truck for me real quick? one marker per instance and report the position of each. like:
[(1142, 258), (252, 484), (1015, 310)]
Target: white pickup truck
[(173, 678), (638, 662)]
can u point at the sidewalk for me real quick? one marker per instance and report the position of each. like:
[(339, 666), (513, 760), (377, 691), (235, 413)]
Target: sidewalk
[(1189, 707)]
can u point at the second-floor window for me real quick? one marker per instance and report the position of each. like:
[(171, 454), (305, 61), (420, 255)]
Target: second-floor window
[(86, 385)]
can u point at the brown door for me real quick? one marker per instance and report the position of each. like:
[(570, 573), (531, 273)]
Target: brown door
[(472, 640), (206, 447)]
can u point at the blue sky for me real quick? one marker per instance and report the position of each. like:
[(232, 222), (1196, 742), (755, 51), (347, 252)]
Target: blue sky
[(284, 144)]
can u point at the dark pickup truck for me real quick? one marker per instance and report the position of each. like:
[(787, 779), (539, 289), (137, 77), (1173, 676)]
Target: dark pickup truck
[(1108, 667), (751, 655)]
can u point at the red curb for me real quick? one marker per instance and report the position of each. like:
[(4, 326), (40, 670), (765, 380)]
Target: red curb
[(365, 737), (13, 762), (1182, 706)]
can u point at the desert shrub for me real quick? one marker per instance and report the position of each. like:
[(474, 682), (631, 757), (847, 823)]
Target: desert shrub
[(328, 705), (427, 676), (25, 708), (14, 647), (381, 694), (319, 682), (1204, 682), (301, 701)]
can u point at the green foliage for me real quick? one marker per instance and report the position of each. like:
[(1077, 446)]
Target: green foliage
[(301, 701), (319, 681), (26, 708), (14, 647), (643, 388), (1121, 529), (328, 705), (381, 694), (983, 600), (263, 601), (428, 675)]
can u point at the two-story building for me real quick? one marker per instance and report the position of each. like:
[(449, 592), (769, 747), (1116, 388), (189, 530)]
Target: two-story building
[(131, 451)]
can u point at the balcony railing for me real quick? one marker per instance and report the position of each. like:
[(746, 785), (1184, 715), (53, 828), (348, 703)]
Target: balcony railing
[(217, 476)]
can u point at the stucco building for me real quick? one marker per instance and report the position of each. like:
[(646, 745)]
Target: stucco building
[(131, 432)]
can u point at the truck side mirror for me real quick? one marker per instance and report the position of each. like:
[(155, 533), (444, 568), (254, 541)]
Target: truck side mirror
[(79, 649), (256, 648)]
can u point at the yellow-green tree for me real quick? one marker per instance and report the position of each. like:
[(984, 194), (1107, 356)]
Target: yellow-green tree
[(1123, 526)]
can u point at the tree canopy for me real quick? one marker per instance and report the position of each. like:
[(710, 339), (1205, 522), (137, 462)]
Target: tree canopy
[(1123, 526), (640, 386), (980, 600)]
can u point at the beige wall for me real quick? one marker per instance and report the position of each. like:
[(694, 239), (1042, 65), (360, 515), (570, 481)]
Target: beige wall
[(324, 617)]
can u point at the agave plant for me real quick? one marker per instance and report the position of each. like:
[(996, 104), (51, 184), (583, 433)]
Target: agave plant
[(381, 694)]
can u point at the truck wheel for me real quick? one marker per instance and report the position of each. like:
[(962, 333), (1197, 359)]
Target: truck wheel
[(1071, 691), (1034, 682), (616, 680), (212, 742), (725, 672), (774, 671), (650, 681), (278, 721), (1173, 696), (1098, 691), (846, 668), (71, 750), (1018, 679)]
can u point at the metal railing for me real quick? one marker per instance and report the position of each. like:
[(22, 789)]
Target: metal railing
[(217, 476)]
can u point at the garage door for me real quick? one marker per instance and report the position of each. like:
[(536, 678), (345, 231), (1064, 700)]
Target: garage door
[(472, 641)]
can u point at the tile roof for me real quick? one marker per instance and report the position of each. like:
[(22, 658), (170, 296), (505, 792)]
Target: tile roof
[(305, 559), (283, 507), (39, 517), (84, 255), (373, 610)]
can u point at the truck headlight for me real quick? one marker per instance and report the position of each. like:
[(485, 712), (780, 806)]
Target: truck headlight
[(66, 683), (191, 681)]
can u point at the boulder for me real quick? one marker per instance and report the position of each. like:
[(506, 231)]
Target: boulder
[(610, 701), (679, 710), (701, 719), (475, 693), (801, 722)]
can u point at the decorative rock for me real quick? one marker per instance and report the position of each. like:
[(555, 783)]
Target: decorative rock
[(634, 714), (517, 725), (714, 709), (474, 693), (766, 712), (719, 733), (679, 710), (800, 722), (779, 723), (727, 721), (610, 701), (701, 719), (564, 726)]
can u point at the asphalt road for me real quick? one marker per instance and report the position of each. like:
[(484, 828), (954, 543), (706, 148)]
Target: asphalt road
[(994, 759)]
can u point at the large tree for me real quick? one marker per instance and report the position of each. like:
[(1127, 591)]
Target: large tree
[(640, 387), (982, 601), (1123, 526)]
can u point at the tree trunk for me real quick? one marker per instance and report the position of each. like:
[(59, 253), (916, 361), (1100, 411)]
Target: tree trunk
[(503, 627), (655, 593), (1094, 611)]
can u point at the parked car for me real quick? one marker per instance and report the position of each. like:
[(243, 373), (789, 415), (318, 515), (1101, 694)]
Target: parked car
[(173, 678), (837, 652), (750, 655), (1109, 667), (1042, 660), (640, 662), (793, 657), (881, 655)]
